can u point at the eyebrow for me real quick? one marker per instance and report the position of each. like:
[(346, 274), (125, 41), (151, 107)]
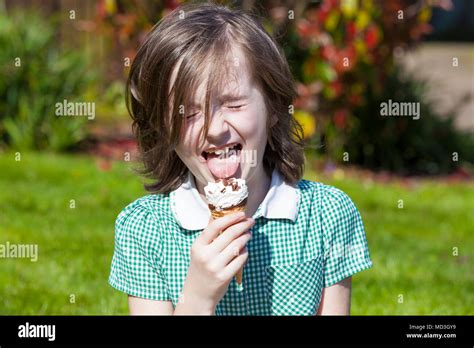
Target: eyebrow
[(228, 97)]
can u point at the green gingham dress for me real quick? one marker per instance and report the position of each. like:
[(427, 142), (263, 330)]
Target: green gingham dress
[(306, 237)]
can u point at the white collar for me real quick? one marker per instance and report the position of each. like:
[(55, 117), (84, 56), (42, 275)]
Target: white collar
[(192, 213)]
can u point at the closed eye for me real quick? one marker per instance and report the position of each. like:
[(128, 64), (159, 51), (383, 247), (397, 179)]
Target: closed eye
[(192, 115), (235, 107)]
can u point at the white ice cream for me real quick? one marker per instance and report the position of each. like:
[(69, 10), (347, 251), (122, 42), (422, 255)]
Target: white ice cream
[(222, 196)]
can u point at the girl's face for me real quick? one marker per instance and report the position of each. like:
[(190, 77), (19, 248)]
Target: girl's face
[(237, 135)]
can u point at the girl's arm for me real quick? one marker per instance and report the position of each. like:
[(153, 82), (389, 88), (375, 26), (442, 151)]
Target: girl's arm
[(336, 299), (213, 265), (141, 306)]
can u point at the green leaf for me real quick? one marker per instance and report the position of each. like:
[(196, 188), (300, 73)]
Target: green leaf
[(325, 72)]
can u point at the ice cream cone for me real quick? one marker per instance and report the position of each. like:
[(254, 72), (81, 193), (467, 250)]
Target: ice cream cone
[(227, 196), (232, 210)]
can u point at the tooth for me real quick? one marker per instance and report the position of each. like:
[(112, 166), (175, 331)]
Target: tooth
[(222, 151)]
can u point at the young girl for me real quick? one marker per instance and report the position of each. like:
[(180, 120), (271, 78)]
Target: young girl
[(209, 78)]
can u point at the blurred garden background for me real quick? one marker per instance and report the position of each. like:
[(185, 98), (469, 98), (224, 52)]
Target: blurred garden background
[(63, 180)]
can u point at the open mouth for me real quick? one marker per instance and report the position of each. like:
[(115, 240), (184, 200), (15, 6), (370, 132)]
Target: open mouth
[(223, 162), (225, 152)]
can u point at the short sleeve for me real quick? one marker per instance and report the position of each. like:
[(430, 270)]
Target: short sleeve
[(135, 264), (346, 249)]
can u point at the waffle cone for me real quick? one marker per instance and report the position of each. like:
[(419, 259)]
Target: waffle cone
[(232, 210), (220, 213)]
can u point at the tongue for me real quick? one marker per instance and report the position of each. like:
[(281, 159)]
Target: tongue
[(223, 167)]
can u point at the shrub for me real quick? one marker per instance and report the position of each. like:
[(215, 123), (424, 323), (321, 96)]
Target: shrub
[(427, 146), (36, 75)]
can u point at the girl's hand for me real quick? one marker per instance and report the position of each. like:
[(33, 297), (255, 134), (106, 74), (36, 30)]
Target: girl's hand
[(215, 259)]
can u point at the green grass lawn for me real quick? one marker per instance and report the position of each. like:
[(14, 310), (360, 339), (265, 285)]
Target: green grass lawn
[(411, 248)]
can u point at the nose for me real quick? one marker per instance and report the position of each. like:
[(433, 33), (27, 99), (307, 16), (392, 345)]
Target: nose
[(218, 127)]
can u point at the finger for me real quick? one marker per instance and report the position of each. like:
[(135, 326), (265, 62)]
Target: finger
[(231, 233), (236, 264), (217, 226), (232, 250)]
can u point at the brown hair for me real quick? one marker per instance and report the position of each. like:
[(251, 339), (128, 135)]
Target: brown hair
[(184, 43)]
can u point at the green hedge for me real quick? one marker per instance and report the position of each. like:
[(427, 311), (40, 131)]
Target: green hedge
[(37, 74)]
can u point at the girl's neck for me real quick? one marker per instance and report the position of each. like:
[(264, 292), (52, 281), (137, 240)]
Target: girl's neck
[(258, 187)]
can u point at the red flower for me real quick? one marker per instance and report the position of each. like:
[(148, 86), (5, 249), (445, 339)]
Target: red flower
[(351, 31), (354, 99), (328, 53), (306, 29), (323, 12), (345, 59), (340, 118), (371, 37)]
